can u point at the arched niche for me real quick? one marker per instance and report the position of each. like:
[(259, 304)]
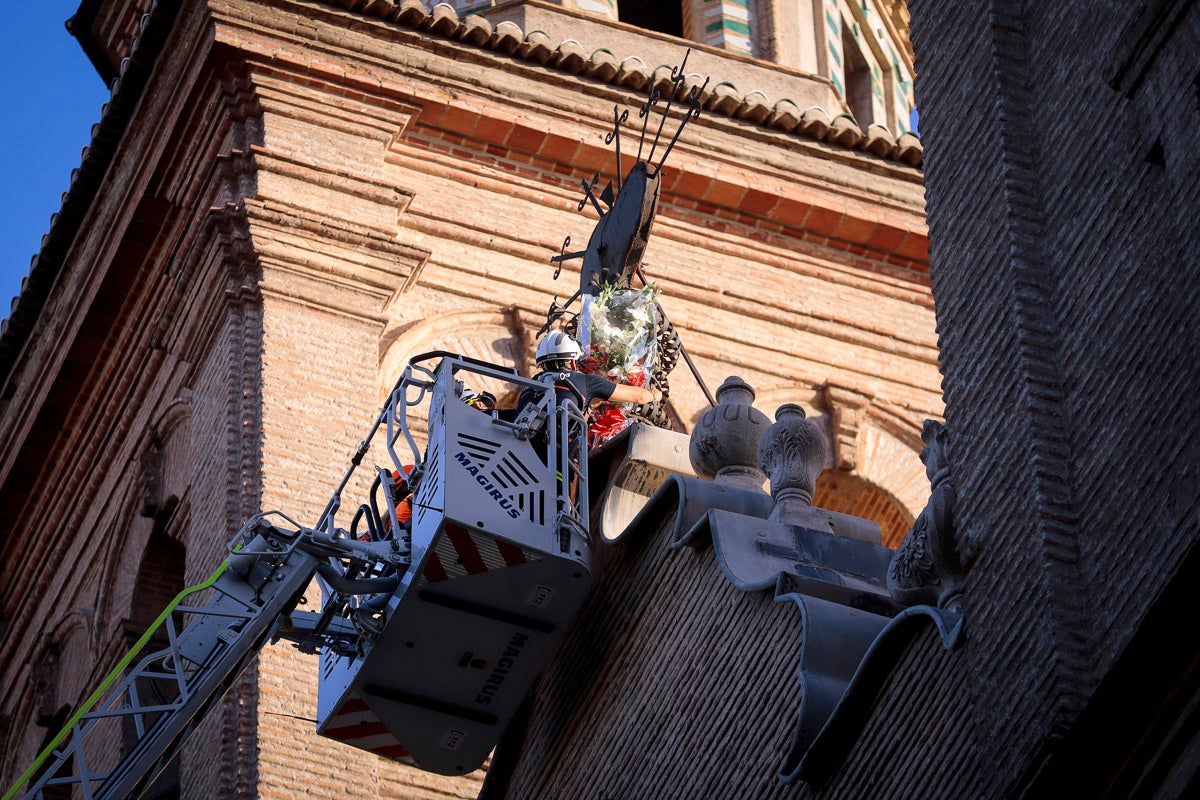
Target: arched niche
[(166, 459), (149, 542), (495, 335), (60, 671)]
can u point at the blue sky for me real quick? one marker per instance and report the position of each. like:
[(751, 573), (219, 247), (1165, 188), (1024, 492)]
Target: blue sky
[(54, 96)]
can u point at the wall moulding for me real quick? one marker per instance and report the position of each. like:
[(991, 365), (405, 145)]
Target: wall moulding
[(328, 264)]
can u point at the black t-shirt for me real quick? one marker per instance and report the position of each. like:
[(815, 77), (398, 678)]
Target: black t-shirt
[(591, 387)]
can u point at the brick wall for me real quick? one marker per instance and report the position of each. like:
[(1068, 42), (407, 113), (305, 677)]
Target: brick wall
[(1058, 267), (316, 195), (1066, 315)]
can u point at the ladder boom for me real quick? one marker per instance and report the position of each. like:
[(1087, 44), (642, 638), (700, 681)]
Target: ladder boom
[(161, 700)]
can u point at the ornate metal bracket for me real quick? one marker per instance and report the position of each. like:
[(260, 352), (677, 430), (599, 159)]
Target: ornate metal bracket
[(626, 205)]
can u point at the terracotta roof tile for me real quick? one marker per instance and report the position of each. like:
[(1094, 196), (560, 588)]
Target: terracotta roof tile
[(879, 140), (442, 20), (475, 30), (601, 66), (844, 131), (568, 56), (506, 38), (754, 108), (785, 116), (723, 98), (536, 47)]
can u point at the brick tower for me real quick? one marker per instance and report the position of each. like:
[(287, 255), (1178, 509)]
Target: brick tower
[(285, 200)]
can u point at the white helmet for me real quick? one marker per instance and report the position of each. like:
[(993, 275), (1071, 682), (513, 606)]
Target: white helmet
[(557, 346)]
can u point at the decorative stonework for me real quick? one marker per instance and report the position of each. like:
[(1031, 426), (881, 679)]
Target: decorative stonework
[(928, 568), (792, 453), (846, 410), (151, 484), (724, 444)]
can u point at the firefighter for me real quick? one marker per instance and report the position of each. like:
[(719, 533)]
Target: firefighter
[(557, 353), (482, 401), (403, 496)]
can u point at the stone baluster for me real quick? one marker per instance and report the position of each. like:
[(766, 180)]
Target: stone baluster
[(792, 453), (724, 444)]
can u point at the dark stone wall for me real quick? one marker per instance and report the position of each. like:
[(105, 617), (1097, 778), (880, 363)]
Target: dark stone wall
[(1062, 198), (687, 685)]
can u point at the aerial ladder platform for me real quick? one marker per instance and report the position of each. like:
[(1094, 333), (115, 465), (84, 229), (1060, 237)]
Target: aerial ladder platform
[(430, 633)]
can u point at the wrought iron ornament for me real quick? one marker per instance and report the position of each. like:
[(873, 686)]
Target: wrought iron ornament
[(626, 207)]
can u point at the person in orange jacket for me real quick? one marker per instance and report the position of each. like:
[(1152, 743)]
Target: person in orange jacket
[(403, 496)]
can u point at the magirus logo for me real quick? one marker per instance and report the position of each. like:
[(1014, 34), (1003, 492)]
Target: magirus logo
[(503, 666), (487, 485)]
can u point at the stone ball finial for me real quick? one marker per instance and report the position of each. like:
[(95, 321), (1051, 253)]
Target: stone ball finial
[(792, 453), (724, 444)]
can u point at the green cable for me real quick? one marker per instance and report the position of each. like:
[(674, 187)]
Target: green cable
[(112, 677)]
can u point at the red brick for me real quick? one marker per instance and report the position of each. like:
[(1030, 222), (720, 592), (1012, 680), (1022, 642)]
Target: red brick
[(525, 139), (854, 229), (690, 184), (592, 159), (822, 221), (559, 149), (886, 238), (791, 213), (721, 193), (459, 120), (759, 202), (916, 247), (490, 129)]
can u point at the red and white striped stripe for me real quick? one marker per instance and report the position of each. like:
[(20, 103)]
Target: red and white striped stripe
[(460, 552), (356, 725)]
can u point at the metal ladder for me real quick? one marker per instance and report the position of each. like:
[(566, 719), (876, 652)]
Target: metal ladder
[(167, 693)]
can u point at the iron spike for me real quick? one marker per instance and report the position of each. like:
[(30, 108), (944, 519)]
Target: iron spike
[(693, 112), (563, 255), (615, 134), (588, 195), (644, 113)]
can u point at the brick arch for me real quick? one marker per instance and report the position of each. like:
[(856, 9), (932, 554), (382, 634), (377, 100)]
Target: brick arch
[(847, 493), (146, 568), (167, 461), (73, 639), (160, 577), (495, 335), (887, 461), (155, 504), (60, 670)]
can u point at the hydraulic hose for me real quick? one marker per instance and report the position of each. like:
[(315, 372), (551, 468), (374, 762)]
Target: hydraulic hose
[(343, 585)]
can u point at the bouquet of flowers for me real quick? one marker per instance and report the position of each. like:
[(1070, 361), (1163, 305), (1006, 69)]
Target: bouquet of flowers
[(618, 333)]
